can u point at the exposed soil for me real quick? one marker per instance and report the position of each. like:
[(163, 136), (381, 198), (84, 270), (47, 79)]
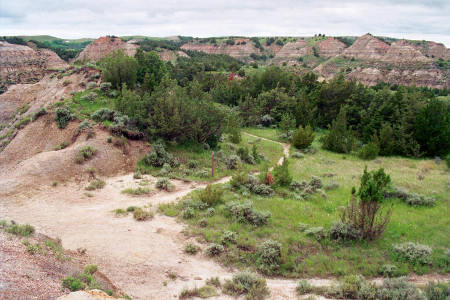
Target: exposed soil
[(136, 256)]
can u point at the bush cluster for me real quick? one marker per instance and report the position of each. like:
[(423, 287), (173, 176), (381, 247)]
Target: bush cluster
[(164, 184), (245, 213), (410, 198), (62, 117), (247, 283), (211, 195), (268, 256), (214, 249), (84, 154), (415, 253), (159, 156)]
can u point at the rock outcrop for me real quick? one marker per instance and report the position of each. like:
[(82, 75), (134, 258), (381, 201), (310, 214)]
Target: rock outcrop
[(367, 47), (401, 52), (291, 52), (104, 46), (239, 50), (330, 47), (22, 64)]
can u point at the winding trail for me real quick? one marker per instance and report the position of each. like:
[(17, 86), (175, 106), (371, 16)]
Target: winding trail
[(136, 256)]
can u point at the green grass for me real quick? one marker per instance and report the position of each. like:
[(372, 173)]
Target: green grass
[(203, 157), (268, 133), (304, 256), (83, 109)]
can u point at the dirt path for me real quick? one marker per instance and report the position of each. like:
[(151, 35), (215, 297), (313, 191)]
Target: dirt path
[(285, 146), (136, 256)]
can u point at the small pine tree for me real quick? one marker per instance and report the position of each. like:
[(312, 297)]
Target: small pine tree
[(281, 174), (303, 137), (339, 139), (233, 128), (287, 123)]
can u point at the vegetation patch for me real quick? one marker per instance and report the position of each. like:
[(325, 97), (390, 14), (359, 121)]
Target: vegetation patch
[(85, 153)]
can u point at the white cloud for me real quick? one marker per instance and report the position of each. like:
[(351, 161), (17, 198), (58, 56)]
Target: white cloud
[(421, 19)]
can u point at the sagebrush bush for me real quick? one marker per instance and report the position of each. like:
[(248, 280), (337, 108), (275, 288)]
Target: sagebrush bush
[(191, 248), (142, 215), (84, 126), (62, 117), (61, 146), (399, 289), (103, 114), (232, 162), (105, 86), (438, 290), (262, 190), (228, 237), (388, 270), (211, 195), (91, 85), (409, 198), (316, 232), (85, 153), (214, 249), (96, 184), (332, 186), (268, 256), (297, 185), (89, 97), (247, 283), (164, 184), (304, 287), (297, 155), (415, 253), (245, 213), (343, 231), (188, 213), (159, 156)]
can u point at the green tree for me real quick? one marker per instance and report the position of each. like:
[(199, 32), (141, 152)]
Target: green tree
[(151, 69), (339, 139), (234, 129), (119, 68), (281, 173), (303, 137), (287, 123)]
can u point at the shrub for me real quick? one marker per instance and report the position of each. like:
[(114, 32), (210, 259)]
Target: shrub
[(297, 155), (244, 213), (399, 289), (388, 270), (142, 215), (61, 146), (268, 256), (66, 82), (364, 214), (164, 184), (20, 230), (90, 269), (263, 190), (438, 290), (266, 120), (369, 151), (73, 284), (103, 114), (281, 174), (84, 126), (343, 231), (131, 208), (316, 232), (415, 253), (332, 186), (228, 237), (303, 137), (192, 164), (246, 283), (96, 184), (136, 191), (297, 185), (214, 249), (206, 291), (304, 287), (85, 153), (211, 195), (159, 156), (316, 182), (91, 85), (39, 114), (105, 86), (232, 162), (32, 249), (188, 213), (89, 97), (191, 248), (62, 117), (410, 198)]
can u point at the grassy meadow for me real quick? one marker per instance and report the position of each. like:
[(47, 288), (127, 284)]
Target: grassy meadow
[(306, 255)]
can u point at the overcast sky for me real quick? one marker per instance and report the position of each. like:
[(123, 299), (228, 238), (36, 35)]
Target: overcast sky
[(417, 19)]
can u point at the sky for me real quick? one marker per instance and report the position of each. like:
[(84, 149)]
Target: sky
[(416, 19)]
